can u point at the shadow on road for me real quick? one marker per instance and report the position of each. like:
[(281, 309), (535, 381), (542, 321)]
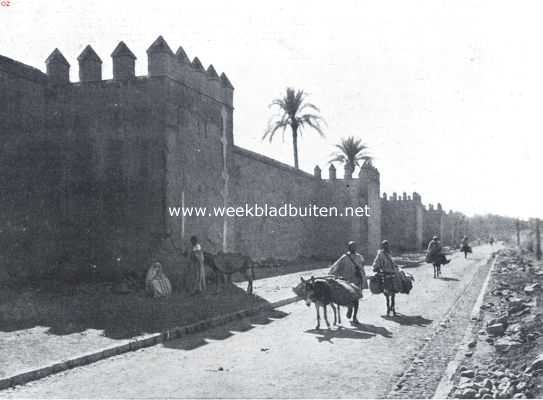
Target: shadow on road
[(377, 330), (196, 340), (356, 331), (410, 320), (326, 335), (448, 279)]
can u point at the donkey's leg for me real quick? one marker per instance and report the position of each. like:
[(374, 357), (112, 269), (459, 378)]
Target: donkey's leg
[(335, 313), (355, 311), (326, 315), (318, 317), (249, 278), (393, 306), (339, 314), (388, 304)]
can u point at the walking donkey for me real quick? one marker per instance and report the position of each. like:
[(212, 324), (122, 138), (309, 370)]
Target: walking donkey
[(327, 291), (466, 248), (435, 256)]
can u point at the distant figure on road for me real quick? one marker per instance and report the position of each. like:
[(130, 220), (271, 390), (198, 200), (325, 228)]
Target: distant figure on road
[(491, 240), (465, 248), (197, 261), (435, 256), (350, 267)]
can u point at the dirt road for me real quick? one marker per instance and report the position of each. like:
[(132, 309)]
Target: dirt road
[(280, 354)]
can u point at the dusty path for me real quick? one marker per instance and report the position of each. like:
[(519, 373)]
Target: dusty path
[(278, 355)]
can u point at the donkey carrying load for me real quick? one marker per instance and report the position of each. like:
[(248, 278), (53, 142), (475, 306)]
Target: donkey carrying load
[(388, 278), (324, 291)]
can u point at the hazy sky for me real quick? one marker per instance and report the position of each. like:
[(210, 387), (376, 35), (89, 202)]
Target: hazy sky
[(447, 94)]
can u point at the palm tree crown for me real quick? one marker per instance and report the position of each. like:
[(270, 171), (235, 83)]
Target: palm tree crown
[(350, 152), (294, 113)]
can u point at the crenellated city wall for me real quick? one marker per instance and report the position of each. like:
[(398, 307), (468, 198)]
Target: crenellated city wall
[(91, 167)]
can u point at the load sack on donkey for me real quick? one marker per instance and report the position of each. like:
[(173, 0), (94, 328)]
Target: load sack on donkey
[(399, 282), (341, 291)]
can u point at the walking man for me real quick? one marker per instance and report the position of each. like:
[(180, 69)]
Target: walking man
[(388, 271), (350, 267)]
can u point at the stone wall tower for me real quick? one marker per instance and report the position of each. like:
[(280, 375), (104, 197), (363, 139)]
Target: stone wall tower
[(370, 182)]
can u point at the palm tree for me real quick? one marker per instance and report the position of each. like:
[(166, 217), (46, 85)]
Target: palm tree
[(291, 114), (351, 152)]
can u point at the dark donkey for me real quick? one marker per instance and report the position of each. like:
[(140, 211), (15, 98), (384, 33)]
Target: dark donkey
[(328, 291), (227, 264), (224, 265)]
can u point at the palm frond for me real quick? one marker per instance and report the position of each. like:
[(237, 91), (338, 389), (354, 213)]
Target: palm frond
[(290, 109), (351, 151)]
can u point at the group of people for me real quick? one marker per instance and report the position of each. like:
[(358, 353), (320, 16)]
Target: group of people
[(350, 267), (157, 283)]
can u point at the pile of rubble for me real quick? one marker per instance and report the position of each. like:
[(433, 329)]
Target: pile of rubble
[(504, 360)]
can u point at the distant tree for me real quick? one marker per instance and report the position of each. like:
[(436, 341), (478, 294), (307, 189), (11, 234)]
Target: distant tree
[(293, 113), (350, 152)]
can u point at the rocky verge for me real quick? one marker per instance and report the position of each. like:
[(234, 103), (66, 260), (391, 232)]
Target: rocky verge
[(504, 359)]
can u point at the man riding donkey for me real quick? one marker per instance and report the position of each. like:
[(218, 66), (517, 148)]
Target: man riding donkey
[(350, 268), (435, 256), (465, 247), (388, 273)]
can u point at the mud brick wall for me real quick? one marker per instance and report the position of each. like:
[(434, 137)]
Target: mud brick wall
[(402, 221), (260, 180), (30, 162), (198, 154), (433, 223)]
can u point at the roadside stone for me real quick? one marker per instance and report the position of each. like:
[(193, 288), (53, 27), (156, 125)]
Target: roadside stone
[(468, 394), (519, 396), (503, 345), (468, 373), (497, 329), (530, 289), (472, 344), (498, 374), (502, 319), (520, 387), (536, 364), (486, 396), (469, 354), (487, 384)]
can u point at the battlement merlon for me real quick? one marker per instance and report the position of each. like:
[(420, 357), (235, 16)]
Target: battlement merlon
[(369, 173), (162, 62), (90, 65), (317, 172), (57, 68)]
